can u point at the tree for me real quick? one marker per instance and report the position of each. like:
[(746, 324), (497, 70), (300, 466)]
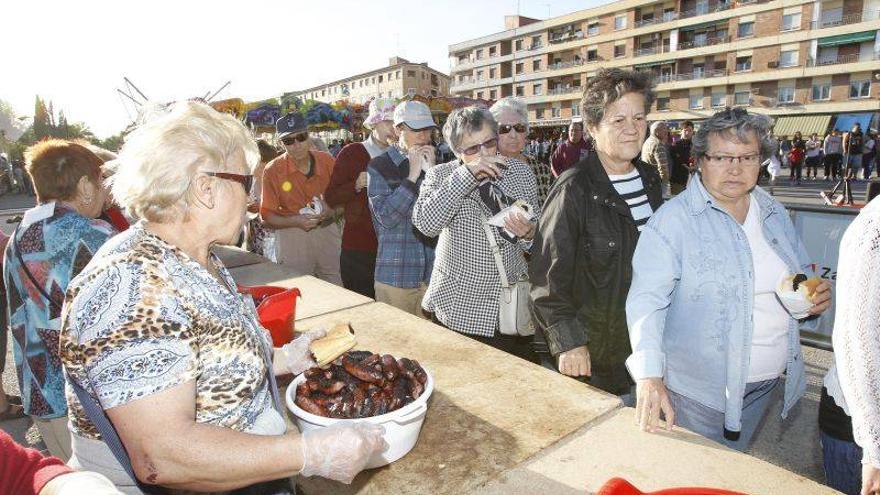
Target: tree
[(42, 121)]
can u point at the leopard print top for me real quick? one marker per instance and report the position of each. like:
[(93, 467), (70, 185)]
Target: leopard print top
[(143, 317)]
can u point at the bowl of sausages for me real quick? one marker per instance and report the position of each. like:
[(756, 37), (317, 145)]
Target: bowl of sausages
[(363, 386)]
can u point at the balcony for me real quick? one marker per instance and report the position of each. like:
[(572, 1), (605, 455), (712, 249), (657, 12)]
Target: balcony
[(666, 17), (687, 45), (871, 15), (842, 59), (705, 10), (564, 91), (565, 37), (691, 76), (565, 65), (651, 50)]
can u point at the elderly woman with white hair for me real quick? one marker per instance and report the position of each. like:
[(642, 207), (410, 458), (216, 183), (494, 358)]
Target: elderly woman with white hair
[(455, 202), (171, 378), (512, 116), (710, 339)]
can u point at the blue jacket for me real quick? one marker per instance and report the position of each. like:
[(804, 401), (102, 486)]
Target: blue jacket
[(689, 308), (405, 256)]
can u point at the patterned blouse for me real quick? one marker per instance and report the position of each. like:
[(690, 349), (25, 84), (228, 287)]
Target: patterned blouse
[(144, 317), (56, 243)]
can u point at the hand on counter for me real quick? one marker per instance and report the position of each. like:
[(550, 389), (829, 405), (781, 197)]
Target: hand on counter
[(652, 398), (575, 362), (340, 451), (295, 356)]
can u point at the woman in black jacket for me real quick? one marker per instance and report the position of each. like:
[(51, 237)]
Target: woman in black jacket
[(580, 267)]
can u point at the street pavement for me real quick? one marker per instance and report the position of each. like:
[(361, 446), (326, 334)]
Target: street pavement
[(792, 444)]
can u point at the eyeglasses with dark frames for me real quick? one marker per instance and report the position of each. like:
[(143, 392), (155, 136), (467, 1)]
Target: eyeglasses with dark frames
[(505, 128), (245, 180), (296, 138)]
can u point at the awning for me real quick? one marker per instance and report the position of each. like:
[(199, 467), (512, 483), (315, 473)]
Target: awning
[(652, 64), (806, 124), (845, 39), (550, 123), (845, 121)]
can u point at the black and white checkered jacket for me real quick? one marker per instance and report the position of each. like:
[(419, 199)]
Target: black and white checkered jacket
[(465, 285)]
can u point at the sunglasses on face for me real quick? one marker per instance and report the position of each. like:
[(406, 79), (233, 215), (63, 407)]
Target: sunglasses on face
[(488, 144), (505, 128), (298, 138), (245, 180)]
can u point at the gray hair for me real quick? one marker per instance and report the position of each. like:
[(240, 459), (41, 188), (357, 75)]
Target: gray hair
[(511, 104), (159, 159), (735, 123), (655, 127), (464, 121), (608, 86)]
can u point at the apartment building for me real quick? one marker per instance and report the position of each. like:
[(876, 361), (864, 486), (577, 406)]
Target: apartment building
[(808, 63), (400, 78)]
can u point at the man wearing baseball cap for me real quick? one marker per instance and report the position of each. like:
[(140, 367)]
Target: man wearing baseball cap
[(348, 189), (405, 256), (307, 238)]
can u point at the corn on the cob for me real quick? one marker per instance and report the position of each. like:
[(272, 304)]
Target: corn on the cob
[(338, 340)]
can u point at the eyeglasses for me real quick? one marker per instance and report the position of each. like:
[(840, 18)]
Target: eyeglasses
[(505, 128), (245, 180), (488, 144), (299, 138), (727, 161)]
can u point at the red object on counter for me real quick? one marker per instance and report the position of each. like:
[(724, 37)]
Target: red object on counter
[(619, 486), (276, 309)]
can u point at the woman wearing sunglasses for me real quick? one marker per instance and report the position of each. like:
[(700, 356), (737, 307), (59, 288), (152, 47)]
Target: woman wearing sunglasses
[(513, 126), (580, 266), (155, 338), (455, 201)]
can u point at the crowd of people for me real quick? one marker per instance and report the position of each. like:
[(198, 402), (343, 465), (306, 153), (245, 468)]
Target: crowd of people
[(649, 272), (838, 155)]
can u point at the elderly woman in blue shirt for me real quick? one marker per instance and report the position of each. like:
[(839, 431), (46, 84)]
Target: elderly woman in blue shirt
[(710, 339)]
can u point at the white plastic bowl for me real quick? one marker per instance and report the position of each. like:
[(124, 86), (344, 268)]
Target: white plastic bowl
[(402, 426)]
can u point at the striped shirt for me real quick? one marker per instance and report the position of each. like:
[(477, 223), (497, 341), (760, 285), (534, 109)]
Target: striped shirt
[(632, 190)]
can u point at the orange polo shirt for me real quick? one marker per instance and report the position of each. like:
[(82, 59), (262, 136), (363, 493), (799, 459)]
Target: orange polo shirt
[(286, 190)]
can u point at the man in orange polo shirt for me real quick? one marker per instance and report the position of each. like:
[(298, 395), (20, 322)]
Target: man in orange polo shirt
[(308, 242)]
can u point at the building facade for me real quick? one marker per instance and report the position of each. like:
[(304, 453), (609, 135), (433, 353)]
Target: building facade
[(806, 63), (400, 78)]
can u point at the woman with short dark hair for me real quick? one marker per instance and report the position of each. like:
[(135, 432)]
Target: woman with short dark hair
[(580, 267), (53, 243)]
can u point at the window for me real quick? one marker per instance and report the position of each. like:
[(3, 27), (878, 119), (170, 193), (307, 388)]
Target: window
[(411, 92), (537, 89), (397, 75), (556, 112), (860, 88), (791, 22), (520, 67), (410, 73), (719, 100), (536, 65), (479, 75), (520, 91), (620, 22), (592, 55), (695, 102), (821, 91), (539, 114), (518, 45), (381, 78), (479, 95), (593, 28), (785, 94), (619, 51), (423, 76), (788, 58), (536, 42), (744, 64), (575, 109), (492, 73), (745, 29), (493, 94), (663, 103), (492, 51), (742, 97), (479, 54)]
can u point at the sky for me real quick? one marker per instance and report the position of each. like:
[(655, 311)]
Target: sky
[(76, 53)]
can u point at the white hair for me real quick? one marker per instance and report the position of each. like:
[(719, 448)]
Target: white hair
[(511, 104), (162, 156)]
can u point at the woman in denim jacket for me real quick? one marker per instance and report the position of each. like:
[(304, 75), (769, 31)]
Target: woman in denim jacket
[(710, 339)]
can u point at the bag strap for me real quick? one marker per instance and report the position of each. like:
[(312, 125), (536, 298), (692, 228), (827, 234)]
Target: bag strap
[(30, 275), (99, 418), (496, 253)]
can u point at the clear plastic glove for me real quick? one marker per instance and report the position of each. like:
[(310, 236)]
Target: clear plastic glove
[(296, 356), (339, 452)]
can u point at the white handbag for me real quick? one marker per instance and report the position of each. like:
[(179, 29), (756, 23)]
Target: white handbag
[(514, 317)]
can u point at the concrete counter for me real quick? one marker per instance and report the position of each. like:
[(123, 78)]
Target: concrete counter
[(615, 447), (489, 411)]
